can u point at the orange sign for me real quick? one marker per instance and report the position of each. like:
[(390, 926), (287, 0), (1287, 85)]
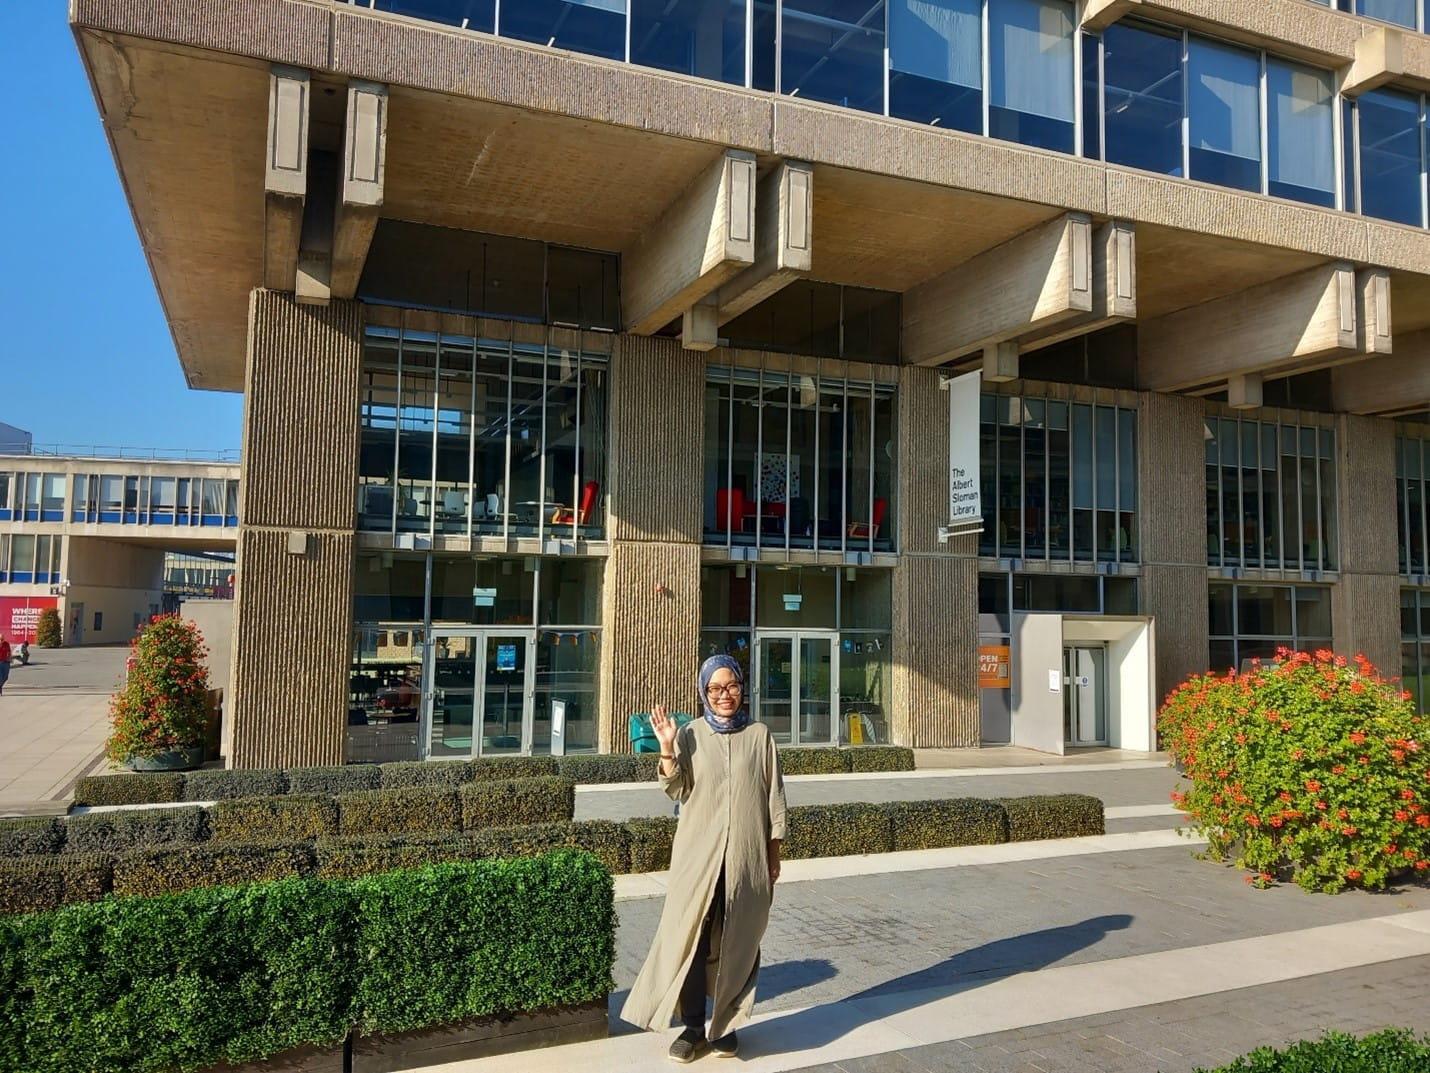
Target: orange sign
[(993, 667)]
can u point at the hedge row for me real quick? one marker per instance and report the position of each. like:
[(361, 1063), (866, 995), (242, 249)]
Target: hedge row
[(217, 785), (240, 973), (641, 844), (1392, 1050)]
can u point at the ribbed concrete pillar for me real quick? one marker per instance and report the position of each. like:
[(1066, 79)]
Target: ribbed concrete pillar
[(1365, 604), (1171, 482), (651, 613), (293, 624)]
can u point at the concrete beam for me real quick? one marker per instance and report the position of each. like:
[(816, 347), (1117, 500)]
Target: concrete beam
[(784, 207), (1114, 287), (700, 326), (312, 284), (701, 241), (1035, 281), (1373, 310), (285, 178), (1000, 363), (1299, 322), (364, 164), (1380, 58), (1244, 392), (1100, 14), (1386, 384)]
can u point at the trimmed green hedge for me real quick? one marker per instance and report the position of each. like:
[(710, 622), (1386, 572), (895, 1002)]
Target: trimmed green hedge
[(365, 855), (598, 767), (608, 841), (118, 832), (171, 870), (647, 766), (517, 801), (651, 839), (1393, 1050), (1053, 816), (404, 773), (953, 821), (33, 884), (217, 784), (880, 758), (149, 788), (286, 817), (418, 809), (499, 768), (30, 836), (343, 779), (811, 761), (837, 830)]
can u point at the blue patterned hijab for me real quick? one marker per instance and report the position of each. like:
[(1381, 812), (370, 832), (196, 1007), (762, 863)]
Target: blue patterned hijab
[(718, 723)]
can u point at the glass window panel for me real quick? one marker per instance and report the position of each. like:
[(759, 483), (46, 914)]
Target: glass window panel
[(595, 27), (1349, 154), (870, 324), (1263, 610), (705, 38), (1400, 12), (22, 554), (468, 14), (1219, 606), (465, 271), (581, 288), (1127, 484), (1225, 111), (1119, 595), (1409, 619), (833, 51), (866, 601), (1221, 655), (570, 592), (814, 584), (32, 491), (725, 595), (936, 62), (1301, 133), (4, 491), (566, 681), (1091, 106), (1411, 671), (1082, 481), (1313, 612), (1143, 74), (762, 44), (1030, 45), (52, 491), (1389, 142)]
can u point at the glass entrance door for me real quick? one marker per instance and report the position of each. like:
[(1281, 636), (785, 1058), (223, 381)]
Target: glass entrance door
[(795, 686), (477, 695), (1084, 696)]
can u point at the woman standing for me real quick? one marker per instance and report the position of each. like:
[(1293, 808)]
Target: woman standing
[(723, 866)]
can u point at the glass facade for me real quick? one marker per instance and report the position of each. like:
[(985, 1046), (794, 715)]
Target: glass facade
[(119, 499), (797, 461), (1409, 13), (1059, 480), (1271, 495), (1252, 621), (1387, 164), (1412, 502), (1415, 644), (481, 437), (823, 320), (31, 559)]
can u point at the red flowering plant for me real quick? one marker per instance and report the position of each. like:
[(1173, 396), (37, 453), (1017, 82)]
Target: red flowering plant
[(163, 704), (1309, 768)]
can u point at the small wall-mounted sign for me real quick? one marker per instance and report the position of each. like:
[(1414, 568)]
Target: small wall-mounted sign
[(484, 597), (1055, 681), (793, 600), (993, 670)]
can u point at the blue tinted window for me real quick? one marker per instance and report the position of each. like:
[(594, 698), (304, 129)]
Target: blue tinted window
[(1225, 109), (1349, 154), (595, 27), (1390, 177), (468, 14), (762, 45), (1143, 99), (1400, 12), (1300, 125), (1091, 97), (1030, 54), (705, 38), (833, 50), (936, 62)]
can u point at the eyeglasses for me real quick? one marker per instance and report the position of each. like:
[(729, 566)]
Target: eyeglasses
[(733, 689)]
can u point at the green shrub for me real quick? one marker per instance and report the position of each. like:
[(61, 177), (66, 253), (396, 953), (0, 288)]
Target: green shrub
[(1394, 1050), (31, 836), (647, 766), (150, 788), (170, 869), (1309, 768), (607, 840), (163, 702), (405, 773), (118, 832), (341, 779), (812, 761), (517, 801), (418, 809), (151, 984), (953, 821), (464, 940), (501, 768), (286, 818), (1053, 816), (47, 629), (587, 768), (217, 784), (880, 758), (651, 838), (365, 855), (837, 831), (32, 884)]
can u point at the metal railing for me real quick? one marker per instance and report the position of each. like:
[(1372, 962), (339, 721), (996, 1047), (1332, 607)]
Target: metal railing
[(151, 454)]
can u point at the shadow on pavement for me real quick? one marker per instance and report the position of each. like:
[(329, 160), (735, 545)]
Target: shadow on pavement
[(775, 980)]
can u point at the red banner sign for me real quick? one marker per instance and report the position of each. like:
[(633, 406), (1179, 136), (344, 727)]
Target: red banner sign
[(20, 614)]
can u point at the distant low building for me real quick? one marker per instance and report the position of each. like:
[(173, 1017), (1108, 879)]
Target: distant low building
[(15, 441)]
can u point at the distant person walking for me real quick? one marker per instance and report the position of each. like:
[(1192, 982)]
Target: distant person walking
[(724, 771), (5, 657)]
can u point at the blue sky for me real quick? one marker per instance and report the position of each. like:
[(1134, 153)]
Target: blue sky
[(85, 355)]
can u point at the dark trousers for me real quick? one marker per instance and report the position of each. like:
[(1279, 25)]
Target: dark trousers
[(692, 991)]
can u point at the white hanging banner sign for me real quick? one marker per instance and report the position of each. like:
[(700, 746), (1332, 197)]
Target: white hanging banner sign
[(965, 506)]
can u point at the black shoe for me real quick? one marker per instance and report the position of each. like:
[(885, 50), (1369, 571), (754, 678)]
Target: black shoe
[(726, 1046), (688, 1046)]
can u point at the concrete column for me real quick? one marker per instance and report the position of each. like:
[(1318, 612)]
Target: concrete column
[(293, 625), (1365, 604)]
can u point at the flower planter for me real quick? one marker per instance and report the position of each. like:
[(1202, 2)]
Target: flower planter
[(306, 1059), (179, 758), (478, 1037)]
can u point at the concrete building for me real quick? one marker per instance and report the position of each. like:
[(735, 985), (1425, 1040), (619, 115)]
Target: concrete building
[(580, 338), (14, 441)]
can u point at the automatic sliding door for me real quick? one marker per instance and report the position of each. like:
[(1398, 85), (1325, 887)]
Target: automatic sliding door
[(451, 695), (504, 692), (774, 702), (816, 680)]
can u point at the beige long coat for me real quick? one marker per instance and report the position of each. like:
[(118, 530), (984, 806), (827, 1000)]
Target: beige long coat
[(732, 803)]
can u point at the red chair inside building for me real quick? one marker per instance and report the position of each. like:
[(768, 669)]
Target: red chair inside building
[(870, 529), (729, 509), (581, 515)]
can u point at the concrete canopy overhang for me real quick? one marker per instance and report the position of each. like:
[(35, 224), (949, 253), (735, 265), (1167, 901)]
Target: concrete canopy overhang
[(492, 135)]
